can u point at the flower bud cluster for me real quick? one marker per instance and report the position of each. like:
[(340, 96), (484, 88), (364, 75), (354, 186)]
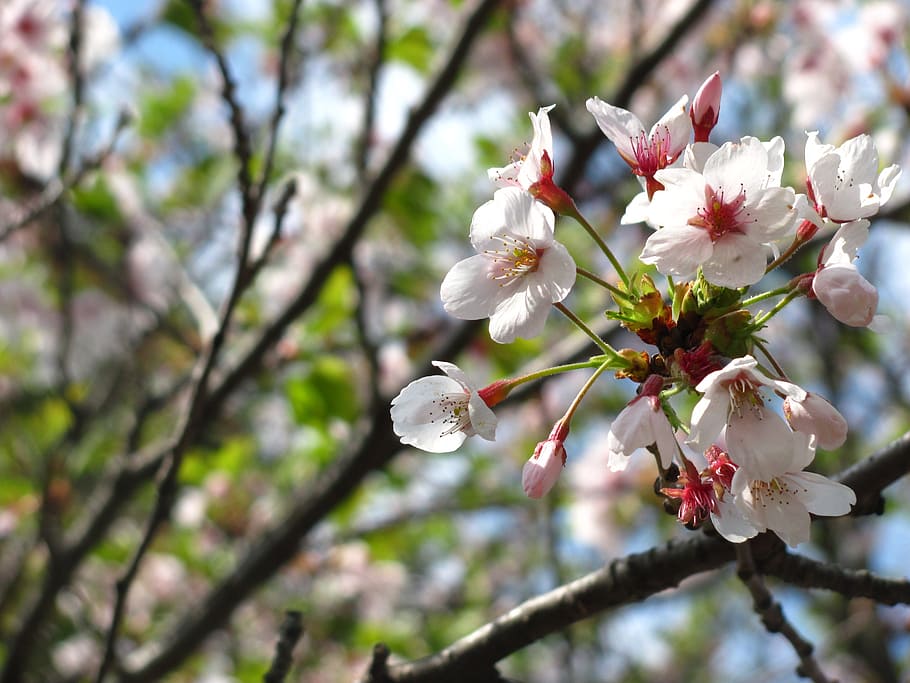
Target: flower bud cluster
[(722, 219)]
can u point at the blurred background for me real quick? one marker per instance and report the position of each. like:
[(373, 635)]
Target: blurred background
[(121, 211)]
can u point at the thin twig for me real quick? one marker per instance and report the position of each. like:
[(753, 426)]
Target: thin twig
[(374, 67), (78, 85), (284, 59), (291, 630), (772, 615)]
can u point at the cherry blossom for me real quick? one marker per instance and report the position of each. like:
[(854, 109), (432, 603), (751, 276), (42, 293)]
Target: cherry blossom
[(526, 171), (646, 152), (783, 500), (814, 415), (844, 182), (720, 219), (838, 285), (732, 403), (437, 413), (541, 471), (641, 423), (519, 272)]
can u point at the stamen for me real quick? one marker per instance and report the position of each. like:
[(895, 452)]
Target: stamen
[(514, 259), (450, 409)]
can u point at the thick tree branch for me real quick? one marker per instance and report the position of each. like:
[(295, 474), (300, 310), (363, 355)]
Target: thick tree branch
[(850, 583), (623, 581)]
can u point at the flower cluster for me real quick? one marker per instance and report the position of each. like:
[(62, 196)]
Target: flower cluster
[(722, 219)]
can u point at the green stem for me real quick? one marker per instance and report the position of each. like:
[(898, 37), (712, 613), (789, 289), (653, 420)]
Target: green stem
[(764, 349), (797, 243), (766, 295), (607, 349), (584, 390), (615, 291), (576, 214), (761, 320), (593, 362)]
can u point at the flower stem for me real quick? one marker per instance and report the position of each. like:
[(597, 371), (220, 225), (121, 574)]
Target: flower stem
[(766, 295), (616, 291), (576, 214), (584, 390), (762, 319), (764, 349), (579, 323), (797, 243), (593, 362)]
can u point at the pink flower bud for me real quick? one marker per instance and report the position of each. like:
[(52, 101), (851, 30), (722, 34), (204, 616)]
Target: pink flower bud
[(544, 467), (706, 107), (847, 295), (814, 415)]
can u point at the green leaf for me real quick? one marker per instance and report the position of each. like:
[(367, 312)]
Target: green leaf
[(414, 47), (158, 111)]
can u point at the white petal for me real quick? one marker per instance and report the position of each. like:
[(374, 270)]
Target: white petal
[(677, 122), (455, 373), (772, 214), (821, 496), (731, 524), (631, 429), (483, 420), (664, 437), (518, 315), (678, 250), (887, 179), (468, 292), (525, 217), (555, 275), (789, 522), (845, 244), (736, 261), (487, 221), (738, 166), (815, 149), (697, 154), (637, 210), (709, 417), (617, 124)]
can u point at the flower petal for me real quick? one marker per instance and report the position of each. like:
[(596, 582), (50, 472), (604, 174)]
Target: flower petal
[(677, 250)]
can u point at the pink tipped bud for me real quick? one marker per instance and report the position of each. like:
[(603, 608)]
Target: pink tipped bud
[(706, 107), (814, 415), (544, 467)]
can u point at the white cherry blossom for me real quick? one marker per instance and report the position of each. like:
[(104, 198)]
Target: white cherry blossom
[(839, 285), (526, 171), (519, 272), (646, 151), (438, 413), (732, 403), (844, 181), (721, 218), (783, 500), (640, 424)]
